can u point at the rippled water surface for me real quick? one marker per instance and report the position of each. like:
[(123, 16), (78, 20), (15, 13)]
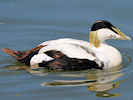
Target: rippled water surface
[(26, 23)]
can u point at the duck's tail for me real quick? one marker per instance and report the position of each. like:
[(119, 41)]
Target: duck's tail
[(22, 56), (16, 54)]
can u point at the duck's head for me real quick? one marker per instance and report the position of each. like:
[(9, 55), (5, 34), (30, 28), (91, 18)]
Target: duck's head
[(102, 30)]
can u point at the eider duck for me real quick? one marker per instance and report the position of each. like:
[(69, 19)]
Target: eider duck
[(73, 54)]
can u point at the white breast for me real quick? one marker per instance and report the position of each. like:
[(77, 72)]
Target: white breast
[(109, 55)]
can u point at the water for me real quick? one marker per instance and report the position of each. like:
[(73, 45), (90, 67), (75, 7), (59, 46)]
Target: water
[(26, 23)]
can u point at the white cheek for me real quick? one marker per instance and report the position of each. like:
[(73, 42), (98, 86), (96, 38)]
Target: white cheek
[(103, 34)]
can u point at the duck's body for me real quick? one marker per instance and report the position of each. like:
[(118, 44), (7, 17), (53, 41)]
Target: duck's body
[(72, 54), (80, 49)]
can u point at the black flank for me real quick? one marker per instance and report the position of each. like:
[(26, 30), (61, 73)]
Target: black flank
[(65, 63)]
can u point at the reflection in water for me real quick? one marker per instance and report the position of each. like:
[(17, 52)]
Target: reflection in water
[(105, 84), (18, 66), (1, 23), (103, 89), (100, 82)]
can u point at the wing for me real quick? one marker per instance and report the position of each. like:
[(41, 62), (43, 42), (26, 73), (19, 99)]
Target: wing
[(56, 60), (81, 43), (54, 51), (70, 50)]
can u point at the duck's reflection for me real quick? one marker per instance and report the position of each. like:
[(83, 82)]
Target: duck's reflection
[(100, 82), (104, 84), (97, 81)]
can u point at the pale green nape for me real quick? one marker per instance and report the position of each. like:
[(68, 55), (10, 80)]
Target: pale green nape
[(93, 38)]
